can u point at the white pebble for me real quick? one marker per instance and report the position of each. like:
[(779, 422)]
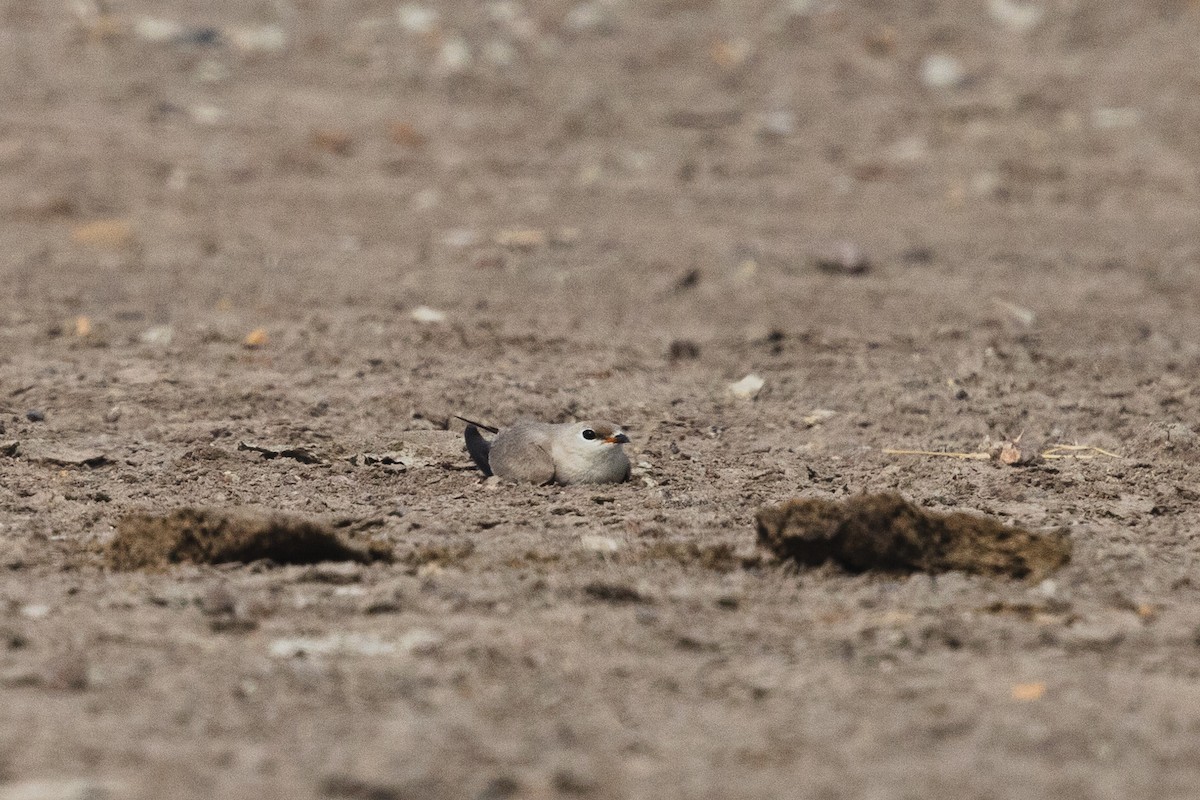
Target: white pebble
[(747, 388), (156, 30), (35, 611), (455, 56), (159, 335), (1018, 16), (257, 38), (416, 18), (426, 315), (1110, 118), (940, 71)]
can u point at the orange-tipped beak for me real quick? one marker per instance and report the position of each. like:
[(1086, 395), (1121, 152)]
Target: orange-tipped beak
[(619, 438)]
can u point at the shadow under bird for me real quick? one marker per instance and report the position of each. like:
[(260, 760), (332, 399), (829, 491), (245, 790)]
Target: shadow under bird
[(544, 452)]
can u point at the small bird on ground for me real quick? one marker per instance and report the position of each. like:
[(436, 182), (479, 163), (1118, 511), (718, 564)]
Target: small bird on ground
[(543, 452)]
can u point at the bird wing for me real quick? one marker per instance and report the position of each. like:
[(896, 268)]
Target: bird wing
[(479, 448), (521, 453)]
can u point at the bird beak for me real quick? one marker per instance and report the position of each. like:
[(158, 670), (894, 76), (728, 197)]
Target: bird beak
[(619, 438)]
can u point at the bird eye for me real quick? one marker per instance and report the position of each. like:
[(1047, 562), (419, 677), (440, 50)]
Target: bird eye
[(588, 434)]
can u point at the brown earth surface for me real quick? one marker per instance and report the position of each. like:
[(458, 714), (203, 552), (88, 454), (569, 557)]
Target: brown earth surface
[(214, 240)]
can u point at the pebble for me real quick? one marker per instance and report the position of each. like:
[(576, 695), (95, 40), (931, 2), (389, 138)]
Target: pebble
[(341, 644), (747, 388), (778, 124), (35, 415), (104, 234), (416, 18), (113, 414), (204, 36), (455, 56), (156, 30), (460, 238), (844, 257), (207, 115), (257, 38), (683, 350), (589, 18), (426, 315), (940, 71), (1106, 118), (158, 335), (1018, 16), (521, 239), (419, 641), (35, 611)]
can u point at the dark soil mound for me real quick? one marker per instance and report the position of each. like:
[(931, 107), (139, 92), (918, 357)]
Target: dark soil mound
[(885, 532), (201, 536)]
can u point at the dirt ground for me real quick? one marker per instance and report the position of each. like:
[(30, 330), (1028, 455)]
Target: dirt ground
[(219, 219)]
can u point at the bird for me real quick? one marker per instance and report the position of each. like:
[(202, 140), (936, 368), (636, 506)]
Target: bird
[(543, 452)]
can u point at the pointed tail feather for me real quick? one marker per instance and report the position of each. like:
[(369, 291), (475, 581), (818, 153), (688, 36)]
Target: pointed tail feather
[(479, 448), (487, 428)]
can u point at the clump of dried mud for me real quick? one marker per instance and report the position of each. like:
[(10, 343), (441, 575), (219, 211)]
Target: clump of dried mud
[(206, 536), (885, 532)]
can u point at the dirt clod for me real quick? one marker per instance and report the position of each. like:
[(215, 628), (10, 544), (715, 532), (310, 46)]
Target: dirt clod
[(201, 536), (613, 592), (885, 532)]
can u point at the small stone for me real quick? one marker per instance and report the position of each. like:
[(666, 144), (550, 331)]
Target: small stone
[(747, 388), (589, 19), (683, 350), (207, 115), (340, 143), (1112, 118), (419, 641), (105, 234), (777, 124), (940, 71), (257, 38), (426, 315), (416, 18), (521, 239), (35, 415), (1018, 16), (112, 415), (160, 335), (817, 416), (156, 30), (35, 611), (256, 339), (460, 238), (337, 644), (200, 36), (455, 56), (406, 134), (844, 258)]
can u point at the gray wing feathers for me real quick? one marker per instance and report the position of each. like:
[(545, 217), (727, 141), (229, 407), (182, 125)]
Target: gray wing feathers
[(522, 453)]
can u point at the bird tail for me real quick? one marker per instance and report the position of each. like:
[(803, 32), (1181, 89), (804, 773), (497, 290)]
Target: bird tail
[(487, 428), (479, 448)]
